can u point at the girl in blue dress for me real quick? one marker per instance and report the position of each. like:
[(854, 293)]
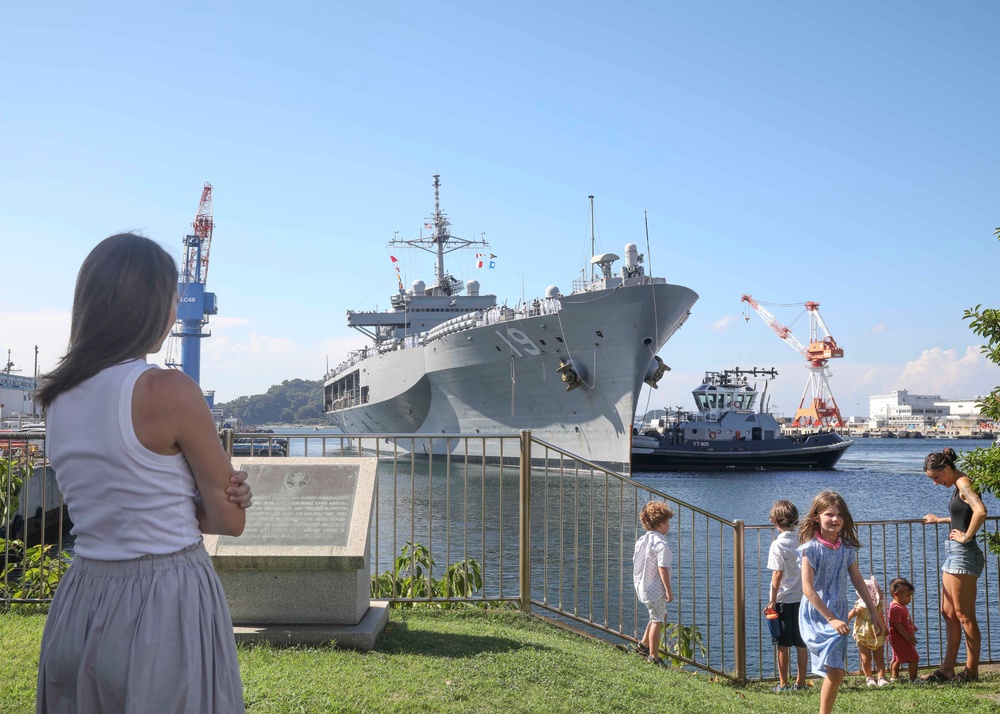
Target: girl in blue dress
[(827, 556)]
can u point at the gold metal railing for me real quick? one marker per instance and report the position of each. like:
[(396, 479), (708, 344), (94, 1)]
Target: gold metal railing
[(554, 535), (890, 549), (31, 515)]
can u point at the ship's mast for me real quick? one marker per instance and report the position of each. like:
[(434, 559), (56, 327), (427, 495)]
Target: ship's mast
[(440, 229), (442, 241), (593, 248)]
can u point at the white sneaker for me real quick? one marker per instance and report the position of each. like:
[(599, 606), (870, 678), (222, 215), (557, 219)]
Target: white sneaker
[(870, 682), (883, 682)]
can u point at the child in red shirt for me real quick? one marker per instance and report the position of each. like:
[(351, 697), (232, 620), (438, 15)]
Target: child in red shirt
[(902, 631)]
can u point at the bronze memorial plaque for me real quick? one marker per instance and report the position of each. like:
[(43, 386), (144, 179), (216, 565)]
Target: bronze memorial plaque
[(296, 504)]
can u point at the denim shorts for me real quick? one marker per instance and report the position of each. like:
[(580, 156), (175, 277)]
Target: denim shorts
[(963, 558)]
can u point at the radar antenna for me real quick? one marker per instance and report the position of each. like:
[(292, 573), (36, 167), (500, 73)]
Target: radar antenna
[(441, 241)]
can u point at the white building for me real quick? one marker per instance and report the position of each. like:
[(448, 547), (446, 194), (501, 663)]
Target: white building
[(900, 409), (17, 395)]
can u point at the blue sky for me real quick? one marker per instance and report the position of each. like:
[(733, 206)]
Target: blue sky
[(844, 153)]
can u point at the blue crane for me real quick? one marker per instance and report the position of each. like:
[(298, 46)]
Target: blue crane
[(195, 304)]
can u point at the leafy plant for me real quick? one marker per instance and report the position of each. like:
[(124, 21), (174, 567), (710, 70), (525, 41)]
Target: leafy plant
[(681, 641), (13, 473), (983, 465), (411, 577), (32, 572)]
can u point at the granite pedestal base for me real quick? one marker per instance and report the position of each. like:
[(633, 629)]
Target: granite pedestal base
[(356, 637)]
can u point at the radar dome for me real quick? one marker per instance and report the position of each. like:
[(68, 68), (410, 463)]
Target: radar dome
[(419, 287), (552, 291), (631, 255), (472, 287)]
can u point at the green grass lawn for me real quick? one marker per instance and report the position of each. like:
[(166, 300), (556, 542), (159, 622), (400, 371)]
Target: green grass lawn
[(501, 661)]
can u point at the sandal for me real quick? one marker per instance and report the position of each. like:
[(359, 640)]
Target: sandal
[(937, 677), (966, 677)]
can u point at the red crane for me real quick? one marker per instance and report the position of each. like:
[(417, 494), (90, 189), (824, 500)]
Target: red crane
[(822, 409), (196, 263), (195, 305)]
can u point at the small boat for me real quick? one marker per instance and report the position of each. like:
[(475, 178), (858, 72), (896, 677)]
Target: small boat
[(247, 446), (726, 433)]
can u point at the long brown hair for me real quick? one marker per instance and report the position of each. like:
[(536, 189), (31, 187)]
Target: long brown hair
[(121, 307), (824, 500)]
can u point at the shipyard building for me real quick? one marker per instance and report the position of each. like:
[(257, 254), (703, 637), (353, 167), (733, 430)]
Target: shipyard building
[(17, 395), (900, 410)]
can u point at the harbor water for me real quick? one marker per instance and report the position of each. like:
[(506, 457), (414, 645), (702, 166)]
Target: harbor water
[(881, 480)]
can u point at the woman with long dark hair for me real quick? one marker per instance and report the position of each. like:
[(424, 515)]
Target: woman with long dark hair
[(964, 561), (139, 622)]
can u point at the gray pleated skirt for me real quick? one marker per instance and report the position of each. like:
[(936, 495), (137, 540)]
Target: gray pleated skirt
[(148, 635)]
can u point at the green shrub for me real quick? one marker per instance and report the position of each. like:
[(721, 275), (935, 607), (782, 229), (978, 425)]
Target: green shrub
[(28, 573), (33, 572), (681, 641), (13, 473), (411, 577), (983, 465)]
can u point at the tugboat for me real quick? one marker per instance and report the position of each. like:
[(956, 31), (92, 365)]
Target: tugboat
[(726, 433)]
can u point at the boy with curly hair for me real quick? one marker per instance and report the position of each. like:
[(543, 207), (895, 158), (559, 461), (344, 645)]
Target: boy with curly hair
[(651, 575)]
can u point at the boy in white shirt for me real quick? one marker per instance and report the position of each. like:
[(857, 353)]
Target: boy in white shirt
[(786, 592), (651, 574)]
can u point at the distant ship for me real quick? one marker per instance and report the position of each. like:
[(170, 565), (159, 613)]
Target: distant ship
[(726, 433), (567, 367)]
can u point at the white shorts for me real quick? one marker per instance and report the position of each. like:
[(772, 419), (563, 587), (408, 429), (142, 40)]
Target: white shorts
[(657, 609)]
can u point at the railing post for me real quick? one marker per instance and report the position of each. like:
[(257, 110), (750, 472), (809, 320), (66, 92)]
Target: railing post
[(227, 441), (739, 602), (525, 522)]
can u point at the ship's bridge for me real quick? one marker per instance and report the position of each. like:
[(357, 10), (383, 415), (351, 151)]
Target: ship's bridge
[(417, 313), (715, 397)]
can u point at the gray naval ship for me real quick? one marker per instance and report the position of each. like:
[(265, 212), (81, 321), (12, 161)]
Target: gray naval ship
[(567, 367)]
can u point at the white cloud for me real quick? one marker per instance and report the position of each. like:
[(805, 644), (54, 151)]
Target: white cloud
[(879, 328), (228, 322), (724, 324), (948, 373), (869, 377)]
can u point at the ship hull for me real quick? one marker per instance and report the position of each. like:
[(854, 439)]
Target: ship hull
[(501, 378), (821, 451)]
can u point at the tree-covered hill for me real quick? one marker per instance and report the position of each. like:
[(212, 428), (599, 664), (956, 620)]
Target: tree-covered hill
[(294, 401)]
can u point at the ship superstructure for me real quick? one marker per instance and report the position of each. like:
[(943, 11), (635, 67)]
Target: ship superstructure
[(567, 367)]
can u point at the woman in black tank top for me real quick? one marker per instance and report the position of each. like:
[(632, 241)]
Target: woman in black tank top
[(962, 566)]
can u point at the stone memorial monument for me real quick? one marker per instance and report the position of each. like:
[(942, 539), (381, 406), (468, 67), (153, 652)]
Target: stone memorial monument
[(299, 574)]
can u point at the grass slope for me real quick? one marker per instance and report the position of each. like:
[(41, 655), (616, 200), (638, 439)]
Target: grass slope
[(502, 661)]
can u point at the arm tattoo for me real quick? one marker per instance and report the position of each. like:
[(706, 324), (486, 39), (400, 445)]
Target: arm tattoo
[(968, 495)]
